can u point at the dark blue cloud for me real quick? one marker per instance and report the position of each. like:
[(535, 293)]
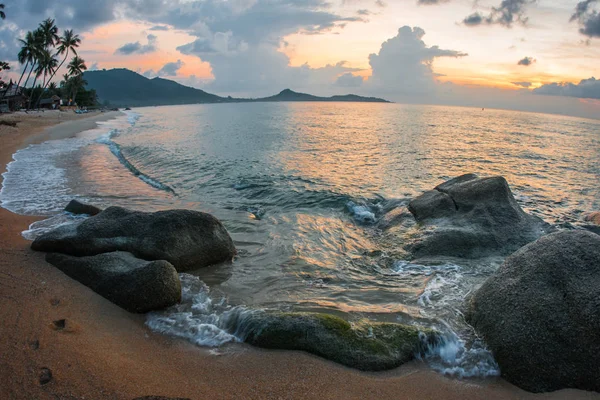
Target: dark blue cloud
[(586, 89), (506, 14), (588, 17), (526, 61), (138, 48)]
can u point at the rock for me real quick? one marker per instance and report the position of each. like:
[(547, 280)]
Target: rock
[(368, 347), (540, 313), (45, 376), (592, 228), (471, 217), (59, 324), (76, 207), (187, 239), (593, 218), (136, 285), (432, 204)]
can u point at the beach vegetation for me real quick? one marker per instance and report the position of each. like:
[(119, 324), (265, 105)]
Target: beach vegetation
[(44, 51)]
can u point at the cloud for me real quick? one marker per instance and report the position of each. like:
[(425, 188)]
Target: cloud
[(349, 80), (506, 14), (588, 18), (138, 48), (94, 67), (586, 89), (522, 84), (473, 19), (170, 69), (527, 61), (404, 63), (364, 12), (380, 3), (241, 41), (159, 28), (80, 15)]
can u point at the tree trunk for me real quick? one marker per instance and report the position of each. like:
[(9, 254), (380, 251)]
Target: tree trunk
[(37, 103), (29, 75), (54, 73), (32, 92)]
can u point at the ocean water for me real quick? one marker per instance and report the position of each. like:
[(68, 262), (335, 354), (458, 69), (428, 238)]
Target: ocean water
[(301, 188)]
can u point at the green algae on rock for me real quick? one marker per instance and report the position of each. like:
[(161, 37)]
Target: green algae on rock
[(366, 346)]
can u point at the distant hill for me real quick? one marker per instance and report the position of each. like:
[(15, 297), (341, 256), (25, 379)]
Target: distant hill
[(289, 95), (126, 88)]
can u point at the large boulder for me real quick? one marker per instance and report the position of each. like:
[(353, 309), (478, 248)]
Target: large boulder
[(133, 284), (187, 239), (368, 347), (472, 217), (540, 313), (77, 207)]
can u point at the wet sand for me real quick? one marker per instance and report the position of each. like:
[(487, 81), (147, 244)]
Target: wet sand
[(104, 352)]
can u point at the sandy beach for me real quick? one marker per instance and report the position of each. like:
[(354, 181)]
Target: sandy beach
[(95, 350)]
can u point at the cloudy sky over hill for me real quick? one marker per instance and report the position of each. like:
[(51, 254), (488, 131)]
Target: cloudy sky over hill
[(523, 54)]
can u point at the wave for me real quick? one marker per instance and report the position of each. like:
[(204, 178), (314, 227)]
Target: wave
[(198, 318), (115, 148)]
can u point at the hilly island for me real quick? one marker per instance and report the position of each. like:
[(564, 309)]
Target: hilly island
[(127, 88)]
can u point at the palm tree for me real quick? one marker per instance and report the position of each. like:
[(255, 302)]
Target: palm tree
[(2, 15), (36, 46), (75, 69), (68, 41), (76, 66), (49, 32), (52, 87), (46, 67)]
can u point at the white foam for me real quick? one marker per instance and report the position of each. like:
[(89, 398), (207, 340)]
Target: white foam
[(35, 182), (132, 117), (463, 355), (197, 318), (361, 213), (451, 356), (40, 227), (401, 267)]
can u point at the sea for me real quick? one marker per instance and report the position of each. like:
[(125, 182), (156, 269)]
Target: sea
[(301, 187)]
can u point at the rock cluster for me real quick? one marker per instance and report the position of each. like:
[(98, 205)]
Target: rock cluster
[(132, 257), (472, 217), (540, 313)]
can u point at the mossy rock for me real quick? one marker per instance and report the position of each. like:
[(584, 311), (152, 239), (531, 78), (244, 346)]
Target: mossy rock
[(365, 346)]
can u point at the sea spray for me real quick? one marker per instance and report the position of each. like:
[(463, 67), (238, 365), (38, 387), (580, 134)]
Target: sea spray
[(38, 228), (451, 355), (460, 355), (198, 318), (361, 213)]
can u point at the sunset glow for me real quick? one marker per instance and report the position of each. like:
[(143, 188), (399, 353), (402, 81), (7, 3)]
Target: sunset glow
[(257, 48)]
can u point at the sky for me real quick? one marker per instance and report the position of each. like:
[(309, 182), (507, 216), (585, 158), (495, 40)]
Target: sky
[(531, 55)]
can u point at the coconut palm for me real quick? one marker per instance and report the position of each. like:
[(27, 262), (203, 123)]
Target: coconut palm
[(47, 67), (69, 41), (25, 55), (37, 44), (49, 32), (75, 72), (76, 66), (75, 83), (2, 15)]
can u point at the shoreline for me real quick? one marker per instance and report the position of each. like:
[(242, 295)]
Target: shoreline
[(104, 352)]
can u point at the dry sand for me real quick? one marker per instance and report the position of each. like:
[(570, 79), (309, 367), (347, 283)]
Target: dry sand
[(104, 352)]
